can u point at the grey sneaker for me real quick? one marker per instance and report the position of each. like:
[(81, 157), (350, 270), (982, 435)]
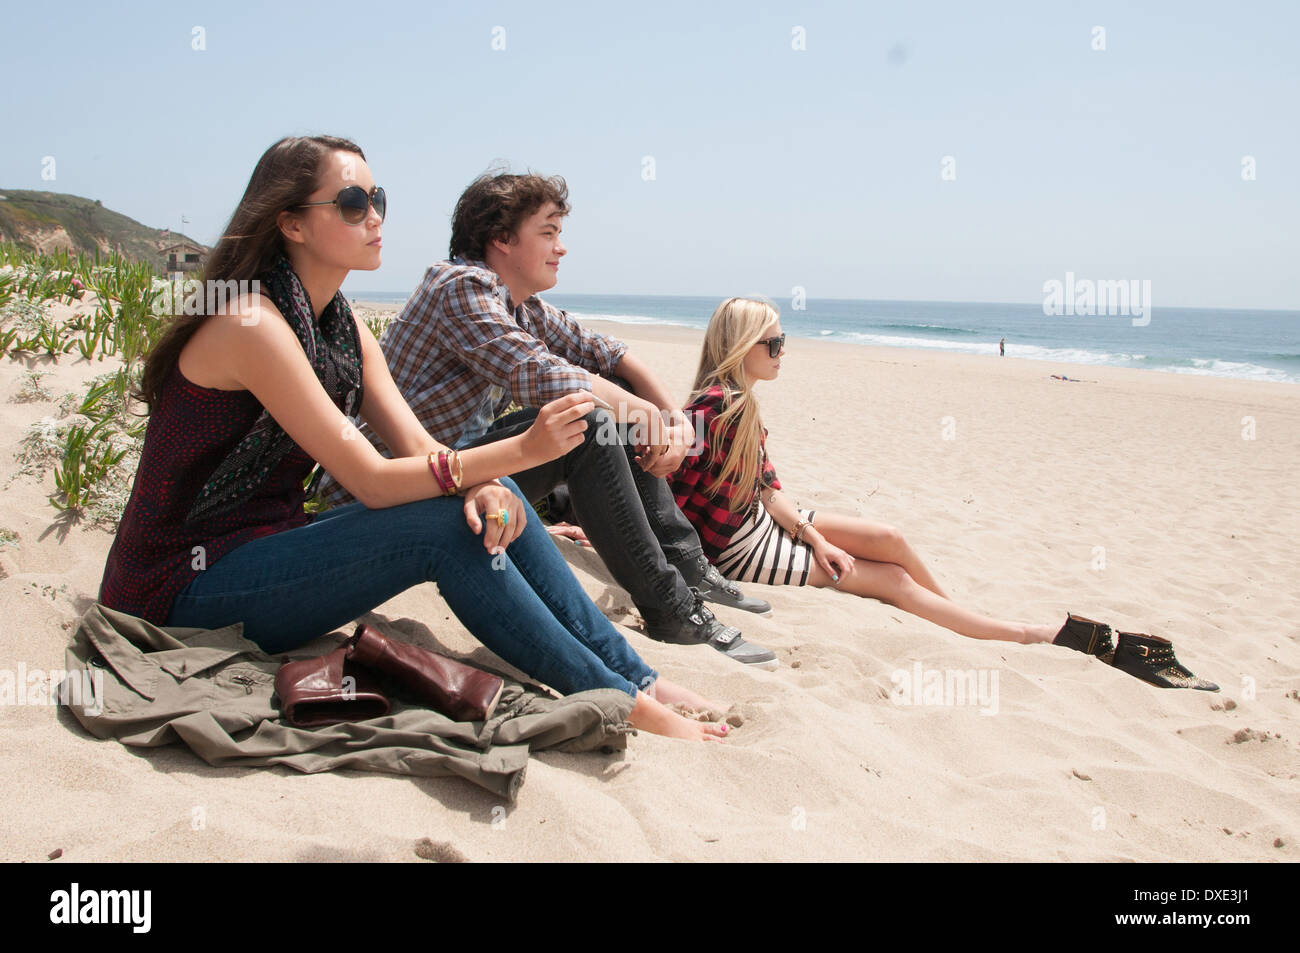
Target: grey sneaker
[(717, 588), (700, 625)]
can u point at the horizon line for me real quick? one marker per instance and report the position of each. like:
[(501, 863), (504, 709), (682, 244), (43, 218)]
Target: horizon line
[(359, 295)]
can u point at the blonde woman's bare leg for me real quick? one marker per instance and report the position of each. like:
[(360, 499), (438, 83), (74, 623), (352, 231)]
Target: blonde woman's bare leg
[(879, 542), (891, 584)]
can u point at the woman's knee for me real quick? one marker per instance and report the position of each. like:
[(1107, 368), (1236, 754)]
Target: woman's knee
[(426, 531), (903, 586), (893, 585), (892, 541)]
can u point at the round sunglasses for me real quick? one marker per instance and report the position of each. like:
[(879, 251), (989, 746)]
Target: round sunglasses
[(774, 345), (354, 204)]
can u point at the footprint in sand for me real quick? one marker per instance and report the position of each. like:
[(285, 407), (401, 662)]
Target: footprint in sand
[(443, 852)]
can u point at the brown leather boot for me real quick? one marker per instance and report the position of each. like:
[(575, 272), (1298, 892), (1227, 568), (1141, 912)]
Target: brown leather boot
[(325, 690), (1086, 635), (1152, 659), (459, 691)]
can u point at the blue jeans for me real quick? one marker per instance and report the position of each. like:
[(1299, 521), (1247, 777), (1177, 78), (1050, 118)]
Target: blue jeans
[(296, 585)]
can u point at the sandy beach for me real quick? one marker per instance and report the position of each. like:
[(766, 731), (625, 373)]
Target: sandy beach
[(1160, 503)]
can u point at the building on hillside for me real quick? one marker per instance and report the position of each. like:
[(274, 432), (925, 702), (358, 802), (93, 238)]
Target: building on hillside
[(182, 257)]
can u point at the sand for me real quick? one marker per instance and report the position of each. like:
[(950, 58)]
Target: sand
[(1040, 482)]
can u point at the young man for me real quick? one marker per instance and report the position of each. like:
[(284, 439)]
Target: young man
[(475, 336)]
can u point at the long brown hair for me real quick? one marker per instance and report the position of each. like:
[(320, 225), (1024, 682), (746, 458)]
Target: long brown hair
[(286, 176)]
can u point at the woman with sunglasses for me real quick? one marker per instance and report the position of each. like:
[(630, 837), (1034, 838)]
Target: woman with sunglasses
[(752, 533), (246, 401)]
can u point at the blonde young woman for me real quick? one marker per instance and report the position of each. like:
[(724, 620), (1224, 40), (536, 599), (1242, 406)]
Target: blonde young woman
[(753, 533)]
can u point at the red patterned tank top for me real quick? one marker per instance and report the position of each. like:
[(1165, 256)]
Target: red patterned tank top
[(156, 553)]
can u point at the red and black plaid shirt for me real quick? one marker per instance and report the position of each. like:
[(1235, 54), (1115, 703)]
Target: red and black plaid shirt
[(709, 514)]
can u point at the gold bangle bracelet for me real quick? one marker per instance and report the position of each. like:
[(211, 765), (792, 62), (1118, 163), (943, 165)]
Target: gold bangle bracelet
[(457, 470)]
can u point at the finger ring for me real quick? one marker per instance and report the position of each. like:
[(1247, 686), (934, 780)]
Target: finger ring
[(500, 516)]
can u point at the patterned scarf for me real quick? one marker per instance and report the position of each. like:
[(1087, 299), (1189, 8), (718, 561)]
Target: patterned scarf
[(333, 347)]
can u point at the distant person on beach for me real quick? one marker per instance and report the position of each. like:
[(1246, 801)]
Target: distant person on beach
[(244, 403), (753, 533), (1002, 348), (475, 335)]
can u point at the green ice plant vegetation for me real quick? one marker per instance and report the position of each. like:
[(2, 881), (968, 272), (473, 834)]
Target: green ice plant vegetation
[(95, 454)]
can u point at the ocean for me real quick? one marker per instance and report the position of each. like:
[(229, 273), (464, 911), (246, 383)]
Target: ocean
[(1254, 345)]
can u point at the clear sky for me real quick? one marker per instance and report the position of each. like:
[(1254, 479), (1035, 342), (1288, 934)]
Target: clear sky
[(820, 167)]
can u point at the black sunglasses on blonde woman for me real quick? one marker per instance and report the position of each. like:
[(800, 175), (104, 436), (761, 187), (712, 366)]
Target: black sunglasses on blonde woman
[(774, 345)]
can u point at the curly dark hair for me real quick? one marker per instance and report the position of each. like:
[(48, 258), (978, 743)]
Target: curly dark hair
[(494, 206)]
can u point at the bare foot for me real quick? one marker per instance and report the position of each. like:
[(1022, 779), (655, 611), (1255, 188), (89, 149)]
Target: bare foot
[(671, 693), (652, 716)]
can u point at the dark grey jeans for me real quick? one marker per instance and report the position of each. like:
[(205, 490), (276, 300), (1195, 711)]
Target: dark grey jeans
[(630, 517)]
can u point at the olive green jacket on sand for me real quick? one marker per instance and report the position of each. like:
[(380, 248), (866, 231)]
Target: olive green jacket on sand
[(213, 690)]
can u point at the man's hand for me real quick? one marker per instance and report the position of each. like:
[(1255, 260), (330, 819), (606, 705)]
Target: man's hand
[(558, 427), (672, 438)]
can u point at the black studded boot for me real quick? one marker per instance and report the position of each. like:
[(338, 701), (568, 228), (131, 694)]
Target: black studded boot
[(1087, 636), (1152, 659)]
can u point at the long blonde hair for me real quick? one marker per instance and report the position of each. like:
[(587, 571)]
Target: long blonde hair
[(736, 326)]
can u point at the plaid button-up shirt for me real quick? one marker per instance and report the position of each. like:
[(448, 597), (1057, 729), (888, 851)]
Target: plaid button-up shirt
[(714, 523), (459, 354)]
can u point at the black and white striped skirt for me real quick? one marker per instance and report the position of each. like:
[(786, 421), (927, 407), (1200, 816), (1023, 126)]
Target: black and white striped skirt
[(761, 551)]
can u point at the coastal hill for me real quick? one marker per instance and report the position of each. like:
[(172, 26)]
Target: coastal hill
[(50, 221)]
